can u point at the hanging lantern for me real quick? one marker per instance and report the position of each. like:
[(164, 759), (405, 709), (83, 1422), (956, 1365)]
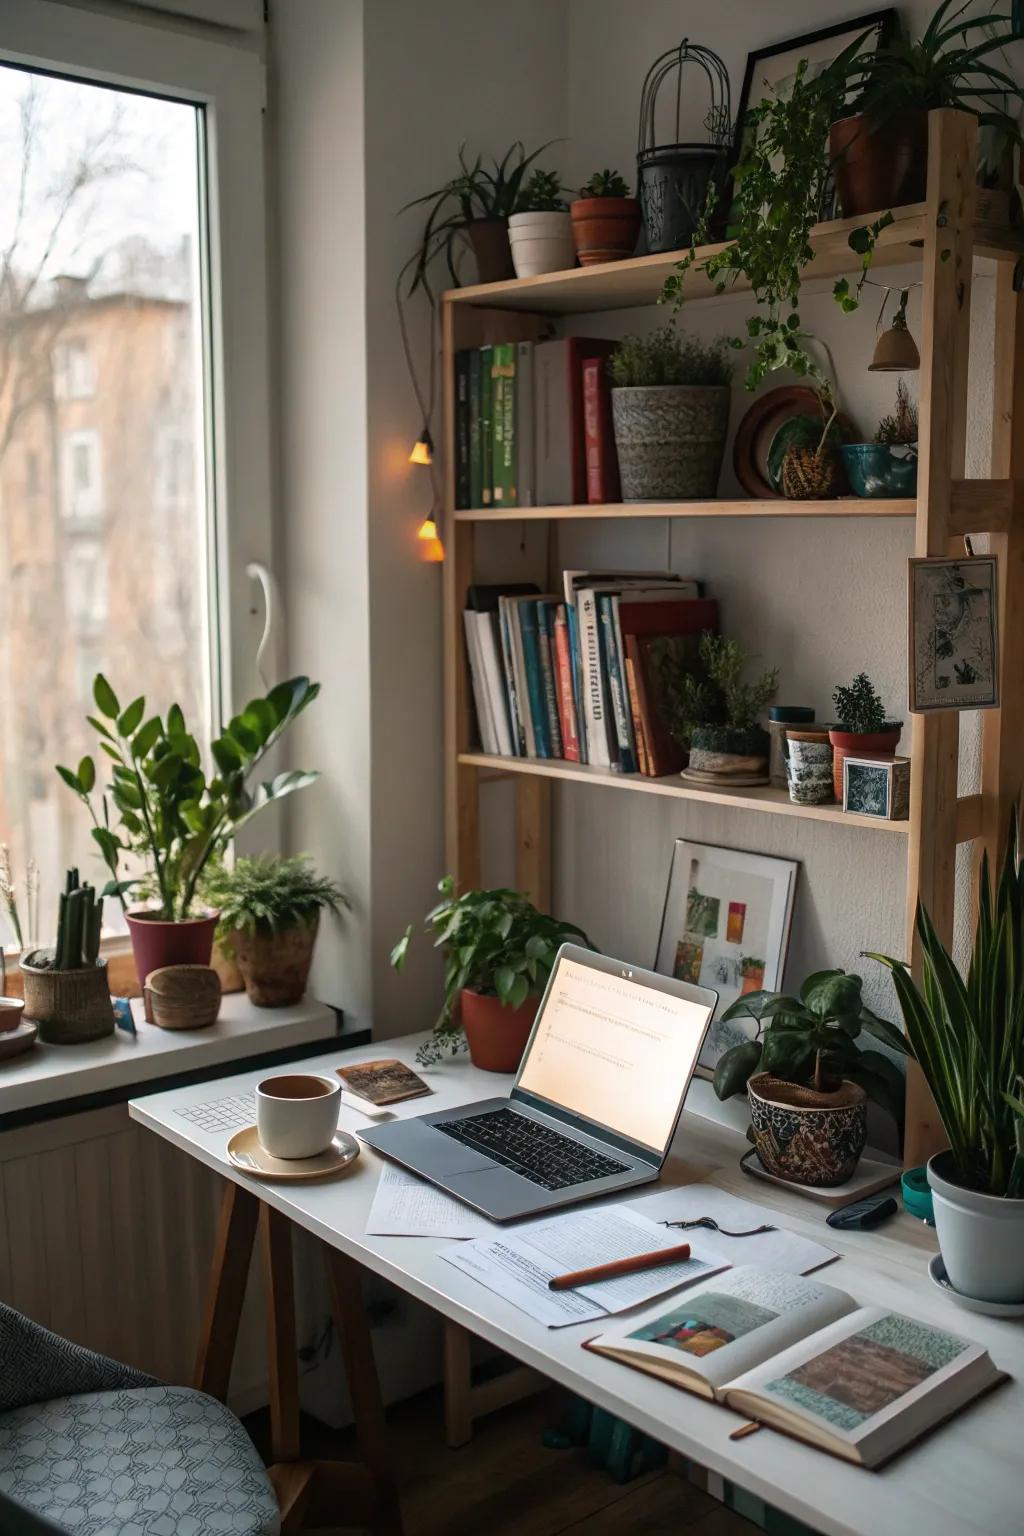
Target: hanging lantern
[(673, 178), (896, 350)]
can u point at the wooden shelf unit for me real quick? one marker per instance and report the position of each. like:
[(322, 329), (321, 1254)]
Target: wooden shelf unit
[(943, 235)]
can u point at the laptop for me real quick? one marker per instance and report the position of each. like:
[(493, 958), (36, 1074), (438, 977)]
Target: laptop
[(595, 1102)]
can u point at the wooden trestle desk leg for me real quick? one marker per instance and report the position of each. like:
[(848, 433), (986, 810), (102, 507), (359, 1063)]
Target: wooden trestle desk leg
[(282, 1350), (229, 1275), (464, 1402)]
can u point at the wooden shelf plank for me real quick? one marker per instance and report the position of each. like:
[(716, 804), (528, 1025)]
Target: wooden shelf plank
[(850, 506), (774, 801)]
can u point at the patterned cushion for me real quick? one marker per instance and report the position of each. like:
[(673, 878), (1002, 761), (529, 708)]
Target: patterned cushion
[(36, 1364), (152, 1461)]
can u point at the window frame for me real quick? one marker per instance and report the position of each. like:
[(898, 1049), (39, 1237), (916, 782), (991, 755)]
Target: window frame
[(228, 80), (229, 83)]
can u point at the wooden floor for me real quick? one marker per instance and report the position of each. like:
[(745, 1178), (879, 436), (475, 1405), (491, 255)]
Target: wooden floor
[(507, 1483)]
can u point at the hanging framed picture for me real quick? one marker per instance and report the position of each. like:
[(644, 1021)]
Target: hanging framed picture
[(954, 633), (726, 925)]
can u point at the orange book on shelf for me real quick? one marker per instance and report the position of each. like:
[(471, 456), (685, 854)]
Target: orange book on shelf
[(564, 690)]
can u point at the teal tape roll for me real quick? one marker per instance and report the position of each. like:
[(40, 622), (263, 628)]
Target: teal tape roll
[(917, 1195)]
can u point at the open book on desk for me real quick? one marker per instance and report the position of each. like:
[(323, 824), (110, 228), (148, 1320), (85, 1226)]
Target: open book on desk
[(804, 1358)]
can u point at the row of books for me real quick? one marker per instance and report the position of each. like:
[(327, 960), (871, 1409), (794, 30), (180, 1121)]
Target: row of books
[(579, 675), (533, 424)]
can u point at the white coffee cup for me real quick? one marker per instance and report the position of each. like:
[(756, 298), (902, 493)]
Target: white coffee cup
[(297, 1113)]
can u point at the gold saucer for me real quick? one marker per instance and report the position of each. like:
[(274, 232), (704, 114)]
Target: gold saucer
[(247, 1153)]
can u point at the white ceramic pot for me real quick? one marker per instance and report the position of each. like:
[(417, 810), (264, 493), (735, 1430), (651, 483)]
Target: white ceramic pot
[(297, 1113), (981, 1236), (541, 242)]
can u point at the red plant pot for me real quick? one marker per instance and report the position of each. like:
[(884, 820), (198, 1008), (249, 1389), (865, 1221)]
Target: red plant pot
[(496, 1035), (880, 167), (860, 744), (605, 228), (157, 942)]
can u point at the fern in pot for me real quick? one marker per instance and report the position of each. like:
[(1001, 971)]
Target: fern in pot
[(670, 408), (269, 918), (714, 711), (498, 952), (967, 1034)]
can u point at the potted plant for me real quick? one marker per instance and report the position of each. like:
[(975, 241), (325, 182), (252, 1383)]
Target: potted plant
[(66, 991), (540, 229), (498, 953), (605, 219), (888, 466), (967, 1034), (880, 148), (670, 409), (808, 1080), (170, 816), (861, 728), (269, 915), (474, 205), (714, 712)]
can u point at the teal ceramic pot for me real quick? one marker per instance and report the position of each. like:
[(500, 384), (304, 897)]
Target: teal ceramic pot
[(881, 469)]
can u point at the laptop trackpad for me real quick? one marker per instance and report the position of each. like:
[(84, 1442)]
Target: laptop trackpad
[(437, 1155)]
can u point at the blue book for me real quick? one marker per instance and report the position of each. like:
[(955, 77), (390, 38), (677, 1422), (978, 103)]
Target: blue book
[(573, 630), (530, 633), (546, 610), (617, 715)]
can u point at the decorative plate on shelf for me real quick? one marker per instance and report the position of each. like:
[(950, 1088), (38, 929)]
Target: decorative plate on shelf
[(776, 420)]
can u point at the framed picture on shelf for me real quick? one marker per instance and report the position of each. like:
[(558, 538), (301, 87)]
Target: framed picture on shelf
[(726, 925), (954, 633), (770, 70)]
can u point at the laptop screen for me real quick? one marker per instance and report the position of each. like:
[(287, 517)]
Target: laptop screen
[(614, 1051)]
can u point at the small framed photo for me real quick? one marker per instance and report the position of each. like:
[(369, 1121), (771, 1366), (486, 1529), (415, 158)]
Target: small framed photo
[(874, 786), (954, 634), (726, 925)]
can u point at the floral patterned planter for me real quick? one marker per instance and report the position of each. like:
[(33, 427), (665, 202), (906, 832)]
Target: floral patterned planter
[(806, 1136)]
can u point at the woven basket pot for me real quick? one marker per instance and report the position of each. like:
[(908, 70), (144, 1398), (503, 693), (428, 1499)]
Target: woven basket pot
[(70, 1007), (809, 475), (670, 439), (805, 1136), (275, 965)]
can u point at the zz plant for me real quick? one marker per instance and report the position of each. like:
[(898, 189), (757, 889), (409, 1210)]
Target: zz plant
[(493, 942), (812, 1040), (166, 810)]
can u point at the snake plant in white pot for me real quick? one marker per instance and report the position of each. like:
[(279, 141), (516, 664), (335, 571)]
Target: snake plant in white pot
[(968, 1037)]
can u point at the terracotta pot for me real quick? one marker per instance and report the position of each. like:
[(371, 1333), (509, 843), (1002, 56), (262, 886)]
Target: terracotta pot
[(879, 165), (157, 942), (70, 1007), (605, 228), (806, 1136), (489, 240), (496, 1035), (275, 965), (860, 744)]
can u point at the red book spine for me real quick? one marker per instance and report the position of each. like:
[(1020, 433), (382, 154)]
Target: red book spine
[(563, 691), (599, 440)]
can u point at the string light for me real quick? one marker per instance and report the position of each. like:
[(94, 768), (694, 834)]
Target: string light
[(423, 448)]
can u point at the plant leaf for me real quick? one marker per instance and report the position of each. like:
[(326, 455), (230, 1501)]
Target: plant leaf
[(106, 698)]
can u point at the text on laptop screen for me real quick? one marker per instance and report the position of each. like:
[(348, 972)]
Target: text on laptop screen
[(614, 1051)]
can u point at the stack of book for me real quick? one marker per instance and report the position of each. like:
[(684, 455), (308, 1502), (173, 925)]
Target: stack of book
[(578, 675), (533, 425)]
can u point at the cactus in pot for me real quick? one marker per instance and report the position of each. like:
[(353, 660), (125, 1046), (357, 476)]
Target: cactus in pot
[(66, 989)]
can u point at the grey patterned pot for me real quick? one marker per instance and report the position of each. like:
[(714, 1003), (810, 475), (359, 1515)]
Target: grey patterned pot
[(670, 439), (806, 1136)]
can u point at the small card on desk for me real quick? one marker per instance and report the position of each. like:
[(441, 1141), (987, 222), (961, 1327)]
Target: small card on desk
[(383, 1082)]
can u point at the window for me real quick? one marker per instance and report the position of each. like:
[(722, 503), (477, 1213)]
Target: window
[(132, 340), (72, 371), (81, 485)]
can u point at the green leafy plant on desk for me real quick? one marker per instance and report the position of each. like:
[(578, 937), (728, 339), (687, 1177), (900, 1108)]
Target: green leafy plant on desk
[(496, 945)]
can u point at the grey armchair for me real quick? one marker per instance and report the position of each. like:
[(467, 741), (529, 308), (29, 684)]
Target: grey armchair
[(98, 1449)]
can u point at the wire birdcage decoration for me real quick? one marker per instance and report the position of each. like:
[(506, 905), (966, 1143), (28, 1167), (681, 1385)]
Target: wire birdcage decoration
[(673, 179)]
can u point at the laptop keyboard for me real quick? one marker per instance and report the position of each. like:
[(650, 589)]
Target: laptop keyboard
[(531, 1149)]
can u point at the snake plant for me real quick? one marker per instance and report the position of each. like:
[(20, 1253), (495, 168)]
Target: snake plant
[(968, 1035)]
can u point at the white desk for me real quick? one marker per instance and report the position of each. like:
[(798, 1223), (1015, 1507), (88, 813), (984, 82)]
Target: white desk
[(962, 1481)]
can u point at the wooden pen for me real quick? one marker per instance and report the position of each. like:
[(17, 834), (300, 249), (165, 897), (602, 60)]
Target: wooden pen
[(616, 1267)]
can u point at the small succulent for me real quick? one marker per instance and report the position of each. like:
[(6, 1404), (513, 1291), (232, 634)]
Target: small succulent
[(858, 708), (901, 425), (542, 193), (605, 184)]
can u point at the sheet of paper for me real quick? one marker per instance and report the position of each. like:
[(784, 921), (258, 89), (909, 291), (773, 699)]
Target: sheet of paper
[(779, 1250), (405, 1206), (519, 1266)]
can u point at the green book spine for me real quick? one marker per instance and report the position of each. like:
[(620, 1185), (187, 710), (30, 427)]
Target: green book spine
[(503, 370), (486, 427), (476, 463)]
